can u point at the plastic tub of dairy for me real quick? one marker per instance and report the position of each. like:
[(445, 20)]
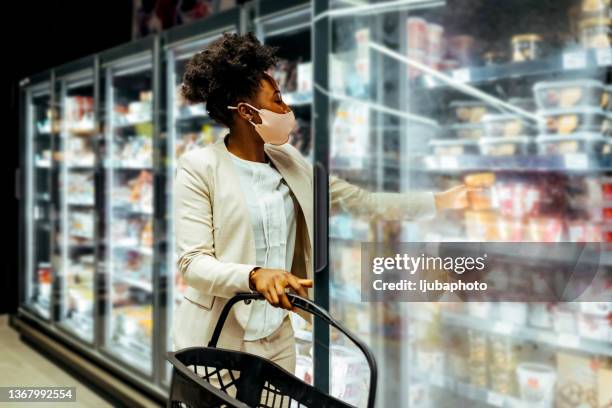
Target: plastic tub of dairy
[(570, 94), (453, 147), (471, 131), (468, 111), (564, 320), (574, 120), (583, 142), (508, 125), (596, 308), (505, 146), (513, 312), (537, 384), (540, 315), (594, 327)]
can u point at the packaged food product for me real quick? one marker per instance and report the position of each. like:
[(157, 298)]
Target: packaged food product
[(461, 48), (582, 142), (540, 315), (468, 111), (564, 319), (505, 146), (453, 147), (416, 31), (507, 125), (480, 310), (482, 225), (594, 6), (513, 312), (435, 41), (473, 131), (606, 188), (537, 384), (596, 32), (545, 229), (577, 381), (607, 234), (579, 119), (511, 229), (595, 327), (596, 308), (526, 47), (495, 57), (583, 231), (480, 179), (604, 391), (570, 94)]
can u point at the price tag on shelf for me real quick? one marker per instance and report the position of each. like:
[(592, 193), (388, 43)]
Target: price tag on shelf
[(575, 60), (462, 75), (604, 56), (495, 399), (568, 340), (502, 328), (576, 161)]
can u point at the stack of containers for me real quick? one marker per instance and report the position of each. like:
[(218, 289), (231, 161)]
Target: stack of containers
[(576, 116), (509, 134), (465, 130)]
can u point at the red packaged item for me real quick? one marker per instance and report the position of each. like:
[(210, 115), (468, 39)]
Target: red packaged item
[(606, 188), (584, 231), (416, 29), (545, 229)]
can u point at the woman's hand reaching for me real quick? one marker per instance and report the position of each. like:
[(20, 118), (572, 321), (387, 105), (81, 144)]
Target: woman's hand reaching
[(272, 283), (454, 198)]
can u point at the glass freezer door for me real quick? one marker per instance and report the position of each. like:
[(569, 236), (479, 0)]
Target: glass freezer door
[(77, 201), (129, 212), (39, 134), (189, 127), (511, 97)]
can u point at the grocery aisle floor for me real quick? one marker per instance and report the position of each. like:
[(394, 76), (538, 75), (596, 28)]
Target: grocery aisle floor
[(21, 365)]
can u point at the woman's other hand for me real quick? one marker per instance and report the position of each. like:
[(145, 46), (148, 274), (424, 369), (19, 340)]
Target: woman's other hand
[(271, 283)]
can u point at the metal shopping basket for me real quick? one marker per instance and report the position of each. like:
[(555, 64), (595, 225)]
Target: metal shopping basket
[(257, 382)]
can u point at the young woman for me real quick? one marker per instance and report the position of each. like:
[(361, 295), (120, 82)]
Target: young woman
[(243, 212)]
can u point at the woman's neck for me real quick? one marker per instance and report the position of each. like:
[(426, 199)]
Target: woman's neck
[(246, 146)]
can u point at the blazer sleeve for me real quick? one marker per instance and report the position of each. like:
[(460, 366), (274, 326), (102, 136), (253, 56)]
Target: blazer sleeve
[(380, 205), (411, 205), (193, 229)]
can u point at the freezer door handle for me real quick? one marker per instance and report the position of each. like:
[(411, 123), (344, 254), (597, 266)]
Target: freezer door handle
[(321, 216)]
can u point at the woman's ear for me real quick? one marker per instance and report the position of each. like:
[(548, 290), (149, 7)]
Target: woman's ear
[(248, 113)]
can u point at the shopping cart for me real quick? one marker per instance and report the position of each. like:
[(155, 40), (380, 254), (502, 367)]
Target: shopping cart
[(256, 382)]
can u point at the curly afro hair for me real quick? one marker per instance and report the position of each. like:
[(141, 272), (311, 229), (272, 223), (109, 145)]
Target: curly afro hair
[(229, 70)]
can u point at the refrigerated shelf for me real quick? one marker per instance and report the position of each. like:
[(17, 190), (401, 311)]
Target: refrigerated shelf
[(570, 62), (570, 163)]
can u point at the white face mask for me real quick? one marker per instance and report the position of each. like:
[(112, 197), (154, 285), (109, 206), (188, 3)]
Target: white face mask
[(274, 127)]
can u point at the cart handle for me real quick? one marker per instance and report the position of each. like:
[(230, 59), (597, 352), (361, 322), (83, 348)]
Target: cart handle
[(310, 307)]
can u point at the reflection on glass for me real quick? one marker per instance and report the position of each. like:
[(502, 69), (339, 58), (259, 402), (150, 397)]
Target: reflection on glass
[(513, 98), (189, 127), (77, 197), (40, 130), (129, 212)]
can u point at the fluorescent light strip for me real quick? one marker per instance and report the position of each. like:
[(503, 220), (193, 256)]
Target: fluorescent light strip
[(470, 90), (379, 107), (383, 7)]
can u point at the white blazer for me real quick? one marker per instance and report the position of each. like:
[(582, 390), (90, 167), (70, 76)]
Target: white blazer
[(214, 235)]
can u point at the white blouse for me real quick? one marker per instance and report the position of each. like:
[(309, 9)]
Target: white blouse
[(272, 212)]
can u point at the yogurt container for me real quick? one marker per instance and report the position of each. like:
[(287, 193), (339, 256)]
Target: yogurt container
[(453, 147), (572, 120), (582, 142), (595, 327), (507, 125), (505, 146), (468, 111), (571, 94), (537, 384)]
